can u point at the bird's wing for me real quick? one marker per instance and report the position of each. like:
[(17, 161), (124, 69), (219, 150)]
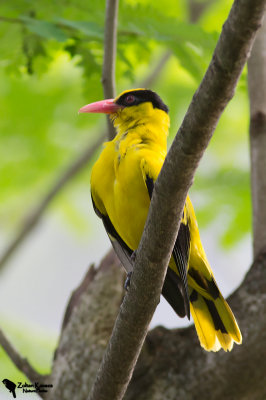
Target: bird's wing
[(200, 275), (181, 256), (121, 248), (182, 244)]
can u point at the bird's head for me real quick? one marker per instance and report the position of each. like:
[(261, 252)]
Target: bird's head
[(132, 107)]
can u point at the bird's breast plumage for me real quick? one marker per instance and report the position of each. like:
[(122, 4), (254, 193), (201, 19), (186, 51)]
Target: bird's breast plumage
[(118, 186)]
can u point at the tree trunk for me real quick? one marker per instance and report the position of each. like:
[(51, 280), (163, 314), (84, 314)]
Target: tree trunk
[(87, 326), (257, 94), (172, 364)]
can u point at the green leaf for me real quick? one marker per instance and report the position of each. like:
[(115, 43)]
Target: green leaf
[(44, 29), (90, 29)]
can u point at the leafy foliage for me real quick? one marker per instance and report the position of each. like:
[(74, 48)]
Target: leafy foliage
[(51, 60), (140, 25)]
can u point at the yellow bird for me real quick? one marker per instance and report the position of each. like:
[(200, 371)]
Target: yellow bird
[(122, 182)]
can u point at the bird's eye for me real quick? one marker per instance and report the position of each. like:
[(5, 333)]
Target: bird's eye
[(130, 99)]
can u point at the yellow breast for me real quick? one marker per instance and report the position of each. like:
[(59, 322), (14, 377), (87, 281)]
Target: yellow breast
[(117, 182), (119, 190)]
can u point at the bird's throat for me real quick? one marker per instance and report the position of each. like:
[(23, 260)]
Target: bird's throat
[(142, 124)]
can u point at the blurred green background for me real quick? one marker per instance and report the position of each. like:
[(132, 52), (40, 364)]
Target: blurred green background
[(50, 65)]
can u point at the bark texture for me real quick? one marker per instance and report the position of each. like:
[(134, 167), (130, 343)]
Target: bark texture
[(88, 324), (257, 95), (172, 365)]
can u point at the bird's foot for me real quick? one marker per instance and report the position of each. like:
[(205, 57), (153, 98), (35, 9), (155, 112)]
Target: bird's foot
[(127, 281), (133, 256), (129, 274)]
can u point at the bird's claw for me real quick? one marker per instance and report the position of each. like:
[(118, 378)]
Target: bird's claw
[(133, 256), (127, 281), (129, 274)]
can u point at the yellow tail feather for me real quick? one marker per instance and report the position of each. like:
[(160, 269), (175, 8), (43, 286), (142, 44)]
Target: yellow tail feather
[(215, 323)]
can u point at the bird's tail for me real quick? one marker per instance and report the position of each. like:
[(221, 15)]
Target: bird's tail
[(215, 323)]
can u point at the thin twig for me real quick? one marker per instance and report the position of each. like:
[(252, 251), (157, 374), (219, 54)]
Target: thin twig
[(81, 161), (34, 216), (21, 363), (152, 77), (109, 59), (169, 195), (108, 81), (196, 9), (11, 20)]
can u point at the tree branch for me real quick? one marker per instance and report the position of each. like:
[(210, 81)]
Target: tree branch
[(173, 366), (169, 196), (110, 39), (35, 215), (77, 293), (153, 75), (85, 335), (197, 8), (10, 20), (21, 363), (108, 81), (33, 218), (257, 95)]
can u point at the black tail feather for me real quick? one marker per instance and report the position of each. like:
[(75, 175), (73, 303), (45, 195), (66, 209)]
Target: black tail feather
[(172, 292)]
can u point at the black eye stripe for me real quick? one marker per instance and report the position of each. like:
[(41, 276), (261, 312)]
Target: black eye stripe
[(136, 97)]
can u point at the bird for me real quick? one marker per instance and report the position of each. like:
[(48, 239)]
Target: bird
[(11, 386), (122, 182)]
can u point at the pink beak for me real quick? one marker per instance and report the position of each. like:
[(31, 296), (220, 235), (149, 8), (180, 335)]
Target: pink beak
[(104, 106)]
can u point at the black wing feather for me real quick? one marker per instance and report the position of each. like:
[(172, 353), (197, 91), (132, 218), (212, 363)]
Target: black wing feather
[(120, 247), (150, 185), (181, 256), (173, 292)]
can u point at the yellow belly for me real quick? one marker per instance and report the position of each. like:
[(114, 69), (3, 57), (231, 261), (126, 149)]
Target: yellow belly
[(119, 190)]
